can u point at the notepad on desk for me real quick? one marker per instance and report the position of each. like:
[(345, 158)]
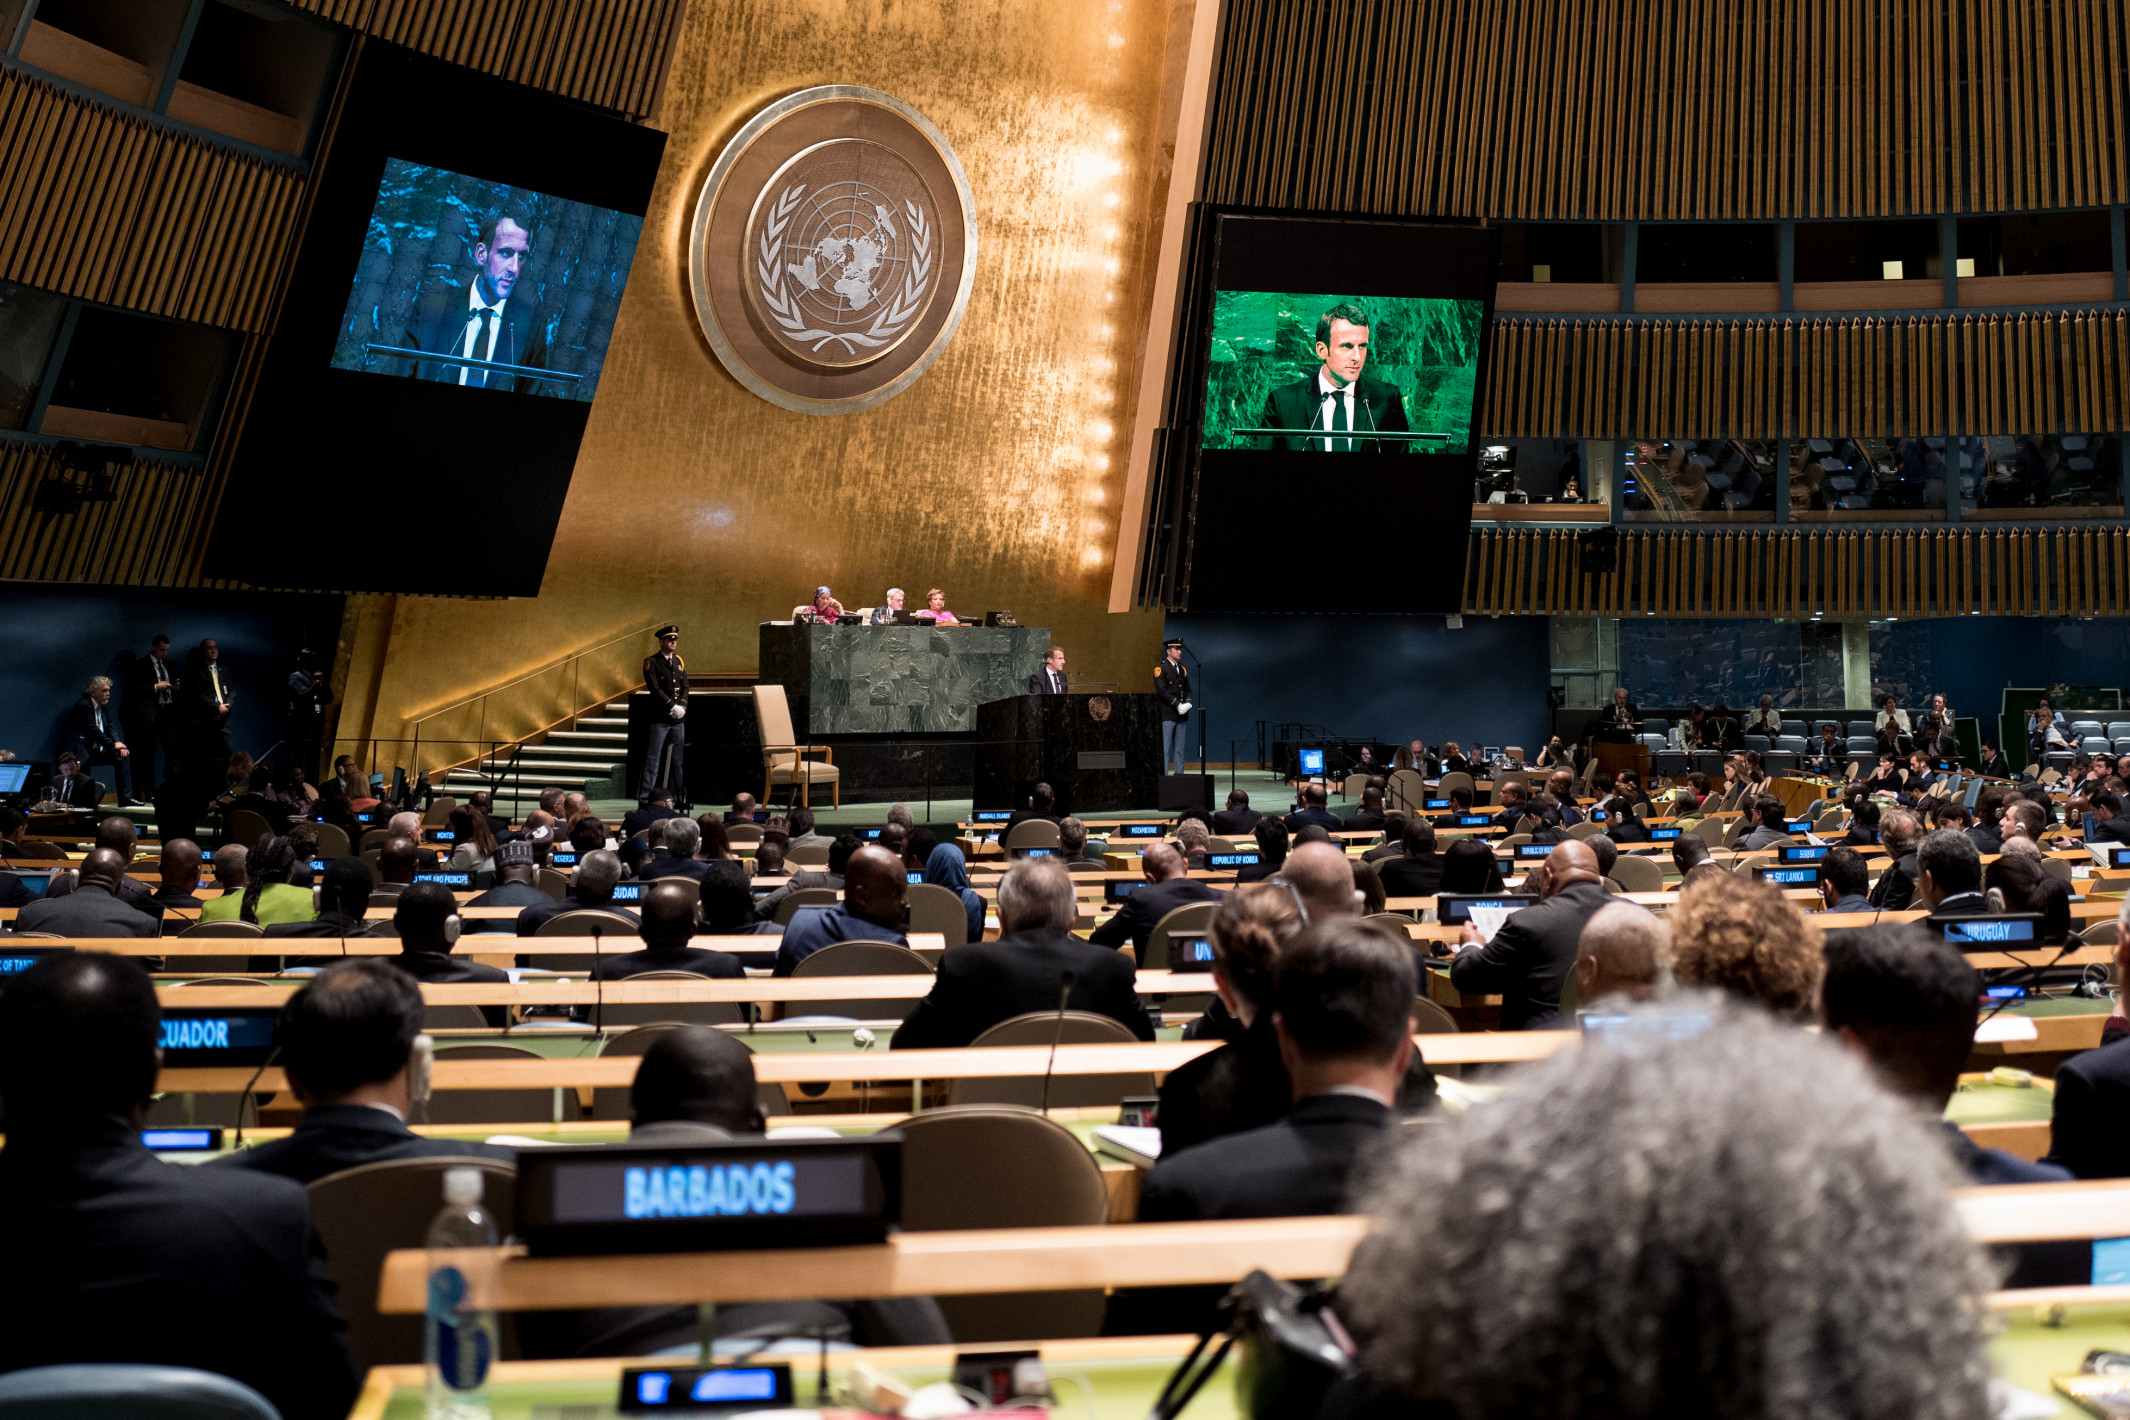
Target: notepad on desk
[(1134, 1143)]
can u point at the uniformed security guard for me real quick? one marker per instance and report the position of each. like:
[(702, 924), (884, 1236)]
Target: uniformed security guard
[(665, 676), (1173, 684)]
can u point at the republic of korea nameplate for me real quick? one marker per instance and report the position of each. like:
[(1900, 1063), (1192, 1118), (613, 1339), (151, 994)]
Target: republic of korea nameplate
[(833, 249)]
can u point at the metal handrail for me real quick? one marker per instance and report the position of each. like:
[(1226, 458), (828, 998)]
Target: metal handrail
[(418, 720)]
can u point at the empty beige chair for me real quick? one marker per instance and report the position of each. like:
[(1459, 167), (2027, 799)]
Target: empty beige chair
[(535, 1107), (1828, 821), (611, 1102), (1190, 920), (1736, 829), (223, 929), (1406, 791), (859, 959), (245, 827), (1514, 840), (1711, 831), (1744, 864), (2056, 868), (1585, 829), (643, 1013), (2099, 934), (784, 760), (1353, 785), (1032, 833), (554, 882), (1638, 874), (1224, 845), (807, 855), (333, 842), (804, 897), (384, 899), (1457, 779), (365, 1212), (439, 811), (1066, 1091), (738, 833), (995, 1166), (939, 909), (372, 838)]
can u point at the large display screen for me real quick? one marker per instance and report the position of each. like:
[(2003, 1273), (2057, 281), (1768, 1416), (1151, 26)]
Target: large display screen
[(1362, 339), (443, 333), (477, 283), (1390, 374)]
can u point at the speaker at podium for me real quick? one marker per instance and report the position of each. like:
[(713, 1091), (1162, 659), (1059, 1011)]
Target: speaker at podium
[(1100, 753)]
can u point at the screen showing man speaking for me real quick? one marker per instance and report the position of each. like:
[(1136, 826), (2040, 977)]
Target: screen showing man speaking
[(485, 285), (1383, 374)]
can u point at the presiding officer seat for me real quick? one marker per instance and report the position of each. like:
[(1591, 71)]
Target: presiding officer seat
[(995, 1166), (784, 760), (1066, 1091), (364, 1212)]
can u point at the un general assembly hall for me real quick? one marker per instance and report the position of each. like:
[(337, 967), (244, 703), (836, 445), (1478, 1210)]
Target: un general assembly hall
[(1279, 709)]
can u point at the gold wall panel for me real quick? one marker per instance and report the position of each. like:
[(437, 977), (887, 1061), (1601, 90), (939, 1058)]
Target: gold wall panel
[(995, 477), (1912, 572), (1680, 109), (2023, 373), (108, 207)]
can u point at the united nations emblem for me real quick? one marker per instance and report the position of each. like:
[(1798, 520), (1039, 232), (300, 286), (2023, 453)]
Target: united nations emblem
[(833, 251), (1098, 707)]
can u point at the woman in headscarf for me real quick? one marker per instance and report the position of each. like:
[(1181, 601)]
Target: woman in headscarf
[(947, 869)]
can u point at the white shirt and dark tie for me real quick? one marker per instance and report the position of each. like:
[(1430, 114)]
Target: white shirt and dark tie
[(162, 679), (1335, 410), (1057, 682), (478, 340)]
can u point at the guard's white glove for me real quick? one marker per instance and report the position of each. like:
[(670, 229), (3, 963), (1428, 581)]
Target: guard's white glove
[(678, 712)]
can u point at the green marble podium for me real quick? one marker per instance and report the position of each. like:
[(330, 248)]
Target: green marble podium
[(896, 680)]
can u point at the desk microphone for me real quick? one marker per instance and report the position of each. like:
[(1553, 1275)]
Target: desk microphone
[(598, 986), (1065, 980)]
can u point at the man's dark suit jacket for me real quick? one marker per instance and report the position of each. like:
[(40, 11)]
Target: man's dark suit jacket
[(658, 868), (1292, 1168), (140, 706), (1996, 767), (984, 983), (331, 924), (439, 324), (1530, 956), (1149, 903), (139, 1260), (2114, 830), (1411, 875), (1986, 838), (690, 959), (332, 1137), (2086, 1134), (443, 967), (12, 892), (511, 895), (532, 918), (90, 913), (636, 820), (1309, 814), (1236, 823), (1363, 820), (81, 735), (1896, 886), (1376, 405), (131, 891), (1039, 683)]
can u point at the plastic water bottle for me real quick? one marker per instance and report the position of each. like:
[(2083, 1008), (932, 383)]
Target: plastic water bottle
[(459, 1332)]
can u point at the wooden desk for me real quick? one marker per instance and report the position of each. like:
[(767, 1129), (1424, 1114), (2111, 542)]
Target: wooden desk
[(499, 945), (1070, 1259), (1015, 1061), (638, 992)]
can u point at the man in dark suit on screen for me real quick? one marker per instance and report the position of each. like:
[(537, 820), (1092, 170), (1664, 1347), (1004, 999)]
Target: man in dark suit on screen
[(480, 319), (1336, 396), (1050, 680)]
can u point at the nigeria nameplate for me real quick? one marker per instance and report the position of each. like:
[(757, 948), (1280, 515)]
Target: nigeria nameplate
[(833, 249)]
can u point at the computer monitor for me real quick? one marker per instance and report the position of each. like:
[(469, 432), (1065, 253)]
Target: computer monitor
[(1119, 889), (1454, 908), (1312, 762), (14, 778)]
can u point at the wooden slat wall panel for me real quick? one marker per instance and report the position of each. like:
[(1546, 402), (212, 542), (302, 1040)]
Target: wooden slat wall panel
[(2033, 373), (1849, 573), (104, 206), (140, 539), (605, 52)]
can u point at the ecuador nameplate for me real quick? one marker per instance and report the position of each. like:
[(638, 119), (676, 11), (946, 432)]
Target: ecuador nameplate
[(833, 249)]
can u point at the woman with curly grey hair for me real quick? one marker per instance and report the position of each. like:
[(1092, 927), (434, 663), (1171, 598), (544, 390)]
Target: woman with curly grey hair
[(1739, 1223)]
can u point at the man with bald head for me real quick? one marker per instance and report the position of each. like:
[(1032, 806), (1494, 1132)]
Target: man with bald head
[(93, 908), (117, 833), (1530, 957), (876, 891), (1322, 878), (397, 864), (1625, 950), (668, 924), (179, 869), (1167, 887)]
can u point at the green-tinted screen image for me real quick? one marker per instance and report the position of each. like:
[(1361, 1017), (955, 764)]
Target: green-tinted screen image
[(1411, 363)]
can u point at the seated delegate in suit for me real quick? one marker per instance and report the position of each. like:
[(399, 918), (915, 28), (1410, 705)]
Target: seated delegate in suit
[(876, 892), (668, 924), (1165, 889), (1843, 881), (1272, 841), (1907, 1002), (136, 1259), (696, 1086), (347, 1044), (1337, 396), (1624, 950), (1900, 832), (484, 318), (1238, 818), (591, 888), (1311, 810), (1073, 844), (1050, 680), (1417, 872), (839, 857), (179, 869), (2086, 1134), (93, 908), (684, 839), (116, 832), (343, 902), (1534, 950), (884, 614), (72, 786), (91, 733), (428, 923), (517, 880), (1028, 969)]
